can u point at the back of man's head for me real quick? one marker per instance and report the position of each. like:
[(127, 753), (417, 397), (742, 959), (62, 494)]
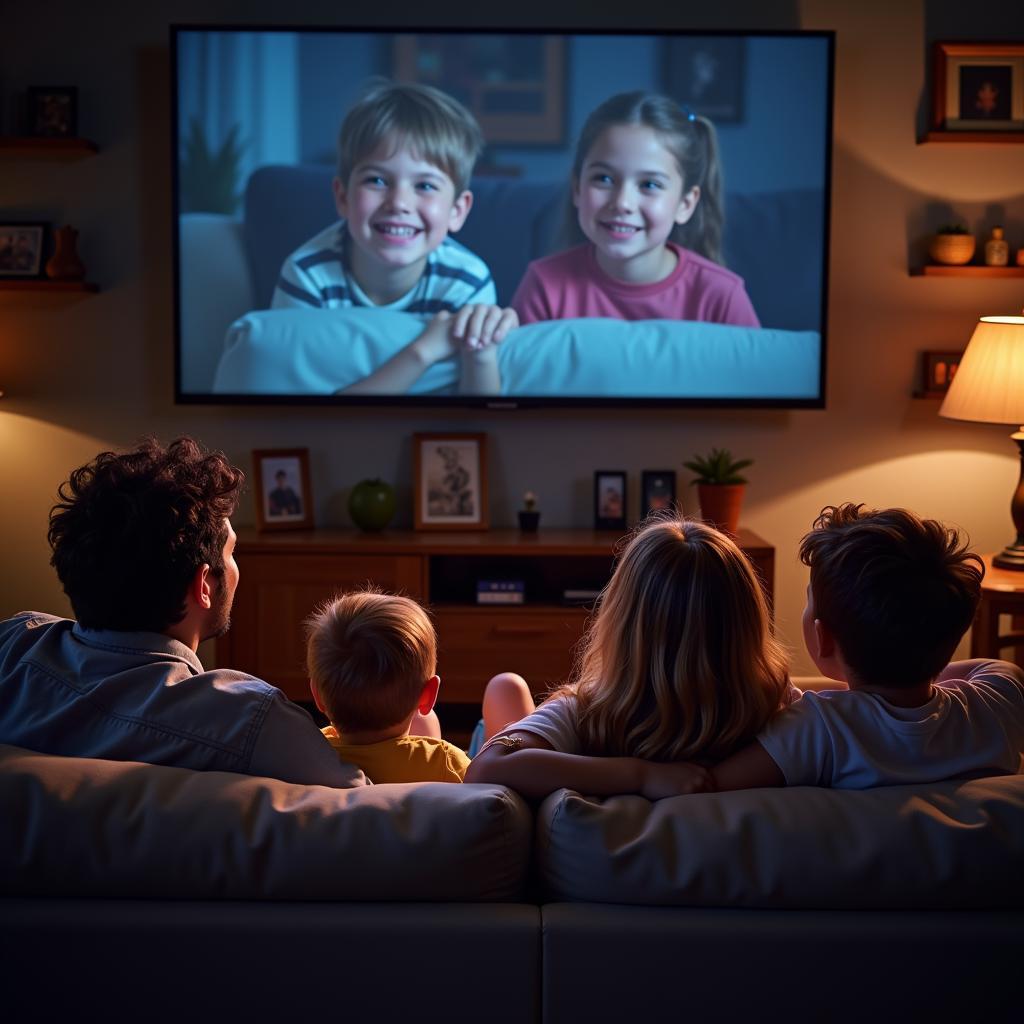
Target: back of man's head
[(131, 529), (896, 591), (369, 656)]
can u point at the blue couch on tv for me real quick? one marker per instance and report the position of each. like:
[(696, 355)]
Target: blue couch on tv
[(229, 268)]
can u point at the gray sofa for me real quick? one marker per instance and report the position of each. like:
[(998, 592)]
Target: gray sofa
[(138, 892)]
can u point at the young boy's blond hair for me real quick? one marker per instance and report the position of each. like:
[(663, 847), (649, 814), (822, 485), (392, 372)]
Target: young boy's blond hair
[(368, 656), (435, 125)]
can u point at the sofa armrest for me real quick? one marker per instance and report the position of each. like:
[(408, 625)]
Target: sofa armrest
[(216, 289)]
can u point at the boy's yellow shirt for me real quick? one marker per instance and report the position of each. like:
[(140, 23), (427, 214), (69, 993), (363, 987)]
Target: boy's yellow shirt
[(403, 758)]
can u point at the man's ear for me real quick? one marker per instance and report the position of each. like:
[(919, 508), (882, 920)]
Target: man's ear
[(200, 587), (428, 695), (688, 203), (316, 698), (340, 196), (460, 211), (825, 640)]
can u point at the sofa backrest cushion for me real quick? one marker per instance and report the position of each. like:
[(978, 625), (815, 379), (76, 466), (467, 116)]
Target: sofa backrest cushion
[(304, 352), (944, 845), (772, 239), (88, 827)]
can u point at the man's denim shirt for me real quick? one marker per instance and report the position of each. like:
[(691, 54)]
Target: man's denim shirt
[(145, 697)]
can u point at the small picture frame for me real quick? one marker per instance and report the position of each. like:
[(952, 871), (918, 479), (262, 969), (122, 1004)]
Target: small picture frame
[(53, 111), (705, 75), (284, 497), (657, 491), (609, 499), (450, 481), (21, 249), (937, 372), (978, 87)]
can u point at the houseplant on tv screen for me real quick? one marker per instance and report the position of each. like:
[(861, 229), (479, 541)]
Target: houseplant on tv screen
[(720, 487)]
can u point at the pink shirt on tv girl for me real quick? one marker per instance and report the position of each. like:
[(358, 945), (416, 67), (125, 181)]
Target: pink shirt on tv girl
[(571, 284)]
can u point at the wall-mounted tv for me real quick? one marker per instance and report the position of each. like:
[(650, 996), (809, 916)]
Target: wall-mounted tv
[(654, 205)]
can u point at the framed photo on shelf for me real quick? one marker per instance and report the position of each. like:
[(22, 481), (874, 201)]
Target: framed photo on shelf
[(657, 491), (937, 372), (609, 499), (21, 249), (978, 87), (284, 497), (513, 85), (450, 481), (53, 111), (704, 75)]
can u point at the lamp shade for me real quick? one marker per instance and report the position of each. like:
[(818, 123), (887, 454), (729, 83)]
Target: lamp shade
[(989, 383)]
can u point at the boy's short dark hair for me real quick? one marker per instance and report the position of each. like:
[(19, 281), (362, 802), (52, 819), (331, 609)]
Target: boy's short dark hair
[(897, 591), (130, 530), (437, 125), (369, 655)]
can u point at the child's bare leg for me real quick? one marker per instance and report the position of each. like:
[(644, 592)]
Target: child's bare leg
[(506, 700), (425, 725)]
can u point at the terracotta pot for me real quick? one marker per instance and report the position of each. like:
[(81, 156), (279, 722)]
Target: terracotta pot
[(954, 250), (720, 505)]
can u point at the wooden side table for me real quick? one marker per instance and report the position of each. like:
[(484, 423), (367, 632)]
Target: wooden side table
[(1002, 593)]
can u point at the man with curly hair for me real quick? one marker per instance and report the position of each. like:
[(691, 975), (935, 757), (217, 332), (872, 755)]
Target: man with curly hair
[(143, 546)]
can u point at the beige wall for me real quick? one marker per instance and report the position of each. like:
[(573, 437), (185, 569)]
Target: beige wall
[(97, 373)]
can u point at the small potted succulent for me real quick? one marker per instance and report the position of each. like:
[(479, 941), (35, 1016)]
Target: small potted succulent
[(952, 245), (720, 487), (529, 514)]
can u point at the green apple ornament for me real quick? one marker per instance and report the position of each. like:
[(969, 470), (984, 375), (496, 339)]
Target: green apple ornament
[(372, 504)]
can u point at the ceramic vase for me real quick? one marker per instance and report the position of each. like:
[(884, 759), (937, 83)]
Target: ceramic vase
[(64, 264)]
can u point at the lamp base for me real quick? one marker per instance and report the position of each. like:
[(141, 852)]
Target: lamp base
[(1011, 557)]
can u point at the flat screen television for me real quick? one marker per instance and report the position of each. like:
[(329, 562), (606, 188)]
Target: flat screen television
[(272, 299)]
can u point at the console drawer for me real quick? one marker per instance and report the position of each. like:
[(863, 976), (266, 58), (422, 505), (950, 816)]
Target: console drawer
[(477, 643)]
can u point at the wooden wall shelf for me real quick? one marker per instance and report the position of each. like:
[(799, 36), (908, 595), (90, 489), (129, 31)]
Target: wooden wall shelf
[(56, 149), (35, 284), (41, 292), (283, 576), (997, 137), (936, 270)]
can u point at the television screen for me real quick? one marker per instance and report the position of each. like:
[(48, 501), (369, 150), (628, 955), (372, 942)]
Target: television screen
[(506, 218)]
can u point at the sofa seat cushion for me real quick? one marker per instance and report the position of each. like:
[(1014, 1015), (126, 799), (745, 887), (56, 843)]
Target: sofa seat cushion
[(88, 827), (945, 845)]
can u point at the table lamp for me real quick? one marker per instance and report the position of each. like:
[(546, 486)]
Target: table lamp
[(989, 388)]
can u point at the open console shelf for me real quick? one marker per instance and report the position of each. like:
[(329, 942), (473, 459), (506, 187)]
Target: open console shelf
[(285, 575)]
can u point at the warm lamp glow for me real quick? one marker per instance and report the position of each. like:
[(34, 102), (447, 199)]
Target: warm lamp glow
[(989, 383), (989, 388)]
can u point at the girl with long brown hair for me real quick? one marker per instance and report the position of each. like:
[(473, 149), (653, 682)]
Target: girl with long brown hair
[(679, 669)]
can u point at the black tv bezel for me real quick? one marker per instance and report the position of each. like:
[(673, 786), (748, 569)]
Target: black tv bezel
[(489, 401)]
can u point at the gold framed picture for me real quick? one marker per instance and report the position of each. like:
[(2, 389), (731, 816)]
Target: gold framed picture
[(284, 497), (450, 482), (978, 87)]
